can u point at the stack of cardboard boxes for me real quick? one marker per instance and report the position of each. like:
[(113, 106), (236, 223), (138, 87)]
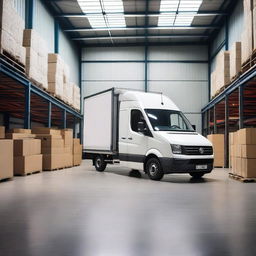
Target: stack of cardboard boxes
[(221, 75), (76, 97), (67, 135), (248, 35), (56, 147), (218, 148), (36, 57), (243, 152), (6, 156), (55, 75), (235, 59), (77, 152), (11, 31), (67, 86), (26, 151)]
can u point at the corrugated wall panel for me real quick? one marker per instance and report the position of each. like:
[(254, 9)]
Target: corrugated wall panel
[(20, 7), (236, 24), (178, 71), (70, 54), (44, 24), (185, 83), (183, 53), (113, 53), (113, 72)]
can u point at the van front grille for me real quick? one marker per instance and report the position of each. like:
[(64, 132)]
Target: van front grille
[(197, 150)]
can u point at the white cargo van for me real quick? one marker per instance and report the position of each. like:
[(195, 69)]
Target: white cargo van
[(143, 131)]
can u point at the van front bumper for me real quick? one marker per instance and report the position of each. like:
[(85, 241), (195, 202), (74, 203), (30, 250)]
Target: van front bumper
[(178, 165)]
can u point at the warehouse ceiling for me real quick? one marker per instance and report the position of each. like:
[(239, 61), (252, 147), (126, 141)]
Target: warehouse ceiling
[(139, 22)]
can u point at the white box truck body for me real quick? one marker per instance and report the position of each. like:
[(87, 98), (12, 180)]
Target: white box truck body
[(143, 131)]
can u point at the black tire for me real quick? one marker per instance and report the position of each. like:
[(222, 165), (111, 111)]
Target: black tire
[(197, 175), (99, 163), (154, 169)]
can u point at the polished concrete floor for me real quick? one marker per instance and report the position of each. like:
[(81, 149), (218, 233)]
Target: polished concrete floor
[(80, 212)]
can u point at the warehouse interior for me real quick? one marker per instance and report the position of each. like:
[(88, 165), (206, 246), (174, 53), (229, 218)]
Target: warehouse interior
[(55, 54)]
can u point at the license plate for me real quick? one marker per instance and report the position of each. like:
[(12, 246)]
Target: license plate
[(201, 167)]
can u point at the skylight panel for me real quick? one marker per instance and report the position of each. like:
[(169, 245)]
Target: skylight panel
[(179, 7), (103, 13)]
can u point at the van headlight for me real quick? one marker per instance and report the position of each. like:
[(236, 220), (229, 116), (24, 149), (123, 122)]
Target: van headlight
[(176, 149)]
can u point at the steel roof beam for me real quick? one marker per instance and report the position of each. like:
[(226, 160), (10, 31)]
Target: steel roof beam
[(193, 27), (143, 14), (139, 37)]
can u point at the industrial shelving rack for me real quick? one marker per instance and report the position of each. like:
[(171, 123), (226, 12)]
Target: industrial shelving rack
[(234, 108), (20, 98)]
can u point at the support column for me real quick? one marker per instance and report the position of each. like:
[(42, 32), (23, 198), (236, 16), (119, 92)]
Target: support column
[(49, 115), (215, 129), (146, 68), (64, 119), (226, 33), (241, 107), (7, 121), (226, 137), (56, 35), (208, 121), (27, 113), (30, 14)]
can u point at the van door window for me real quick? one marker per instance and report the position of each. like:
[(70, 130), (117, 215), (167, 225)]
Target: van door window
[(136, 116)]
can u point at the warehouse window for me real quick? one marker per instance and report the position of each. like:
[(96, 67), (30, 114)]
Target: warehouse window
[(178, 12), (103, 13)]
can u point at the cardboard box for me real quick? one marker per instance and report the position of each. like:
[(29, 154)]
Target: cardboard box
[(53, 161), (45, 130), (247, 136), (18, 136), (248, 151), (6, 159), (19, 130), (27, 147), (77, 159), (68, 160), (238, 150), (76, 141), (218, 148), (235, 59), (2, 132), (77, 149), (248, 168), (239, 168), (67, 135), (27, 164), (52, 143), (50, 150), (48, 136)]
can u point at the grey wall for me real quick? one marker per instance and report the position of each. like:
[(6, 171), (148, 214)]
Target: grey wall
[(235, 29), (44, 24), (180, 72)]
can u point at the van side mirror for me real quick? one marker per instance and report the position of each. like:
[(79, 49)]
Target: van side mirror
[(142, 127), (194, 127)]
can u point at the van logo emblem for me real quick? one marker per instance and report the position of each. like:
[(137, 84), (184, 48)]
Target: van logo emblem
[(201, 151)]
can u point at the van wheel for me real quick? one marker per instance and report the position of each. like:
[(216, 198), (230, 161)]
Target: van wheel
[(197, 175), (99, 163), (154, 169)]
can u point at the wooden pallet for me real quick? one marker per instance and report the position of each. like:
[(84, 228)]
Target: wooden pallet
[(249, 63), (5, 179), (12, 61), (240, 178), (220, 91), (29, 173), (236, 76)]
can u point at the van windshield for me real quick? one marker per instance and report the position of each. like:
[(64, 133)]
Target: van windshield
[(168, 120)]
